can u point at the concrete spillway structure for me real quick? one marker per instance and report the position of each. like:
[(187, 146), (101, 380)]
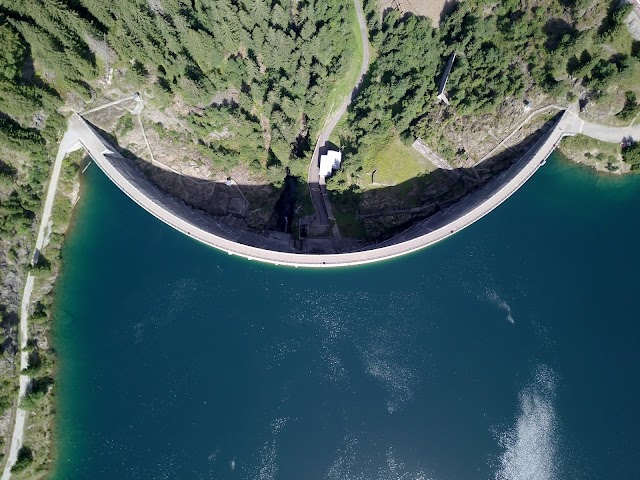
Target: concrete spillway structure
[(205, 229)]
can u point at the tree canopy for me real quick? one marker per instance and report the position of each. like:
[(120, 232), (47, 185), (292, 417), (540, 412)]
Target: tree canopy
[(505, 51)]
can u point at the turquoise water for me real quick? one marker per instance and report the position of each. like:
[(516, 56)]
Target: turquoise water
[(509, 351)]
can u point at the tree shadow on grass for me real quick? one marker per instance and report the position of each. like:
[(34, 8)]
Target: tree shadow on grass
[(449, 6), (556, 29)]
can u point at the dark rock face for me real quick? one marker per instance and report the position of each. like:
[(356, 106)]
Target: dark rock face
[(284, 210)]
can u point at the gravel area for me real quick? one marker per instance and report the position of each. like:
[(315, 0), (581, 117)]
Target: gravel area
[(427, 8)]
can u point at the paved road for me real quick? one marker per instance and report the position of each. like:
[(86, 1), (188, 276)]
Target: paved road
[(187, 221), (135, 97), (68, 143), (610, 134), (319, 196), (178, 216)]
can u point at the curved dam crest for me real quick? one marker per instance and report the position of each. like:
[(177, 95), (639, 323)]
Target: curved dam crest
[(203, 227)]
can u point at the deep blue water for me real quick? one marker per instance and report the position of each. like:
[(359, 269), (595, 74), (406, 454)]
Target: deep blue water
[(508, 351)]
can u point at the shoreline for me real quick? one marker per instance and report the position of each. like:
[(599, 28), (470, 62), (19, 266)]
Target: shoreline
[(102, 69), (39, 288)]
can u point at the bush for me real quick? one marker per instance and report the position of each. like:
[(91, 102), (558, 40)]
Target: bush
[(25, 457), (631, 155), (40, 314), (61, 210), (8, 391), (41, 268), (31, 401), (631, 107), (125, 124)]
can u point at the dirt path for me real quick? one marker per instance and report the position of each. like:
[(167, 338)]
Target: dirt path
[(517, 129), (68, 143), (18, 429)]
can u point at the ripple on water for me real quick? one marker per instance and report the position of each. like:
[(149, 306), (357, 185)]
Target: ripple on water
[(267, 469), (530, 448), (495, 298), (164, 312), (352, 462), (383, 330), (383, 362)]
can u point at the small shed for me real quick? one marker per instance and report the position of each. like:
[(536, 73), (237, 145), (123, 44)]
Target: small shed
[(329, 162)]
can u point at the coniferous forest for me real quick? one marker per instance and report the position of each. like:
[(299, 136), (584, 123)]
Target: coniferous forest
[(262, 66), (509, 50), (266, 72)]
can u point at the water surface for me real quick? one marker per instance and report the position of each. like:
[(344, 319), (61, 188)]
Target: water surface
[(508, 351)]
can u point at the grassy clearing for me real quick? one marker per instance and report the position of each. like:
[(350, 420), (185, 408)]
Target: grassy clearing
[(631, 82), (335, 135), (394, 163), (582, 143), (595, 153), (623, 41)]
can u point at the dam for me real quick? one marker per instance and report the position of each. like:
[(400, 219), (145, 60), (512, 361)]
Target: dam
[(271, 249)]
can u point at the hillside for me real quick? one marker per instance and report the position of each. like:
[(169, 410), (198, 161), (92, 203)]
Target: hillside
[(513, 59)]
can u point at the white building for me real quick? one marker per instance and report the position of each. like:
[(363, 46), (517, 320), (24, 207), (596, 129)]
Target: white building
[(330, 162)]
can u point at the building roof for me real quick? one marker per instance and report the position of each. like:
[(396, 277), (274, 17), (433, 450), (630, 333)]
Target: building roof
[(329, 162)]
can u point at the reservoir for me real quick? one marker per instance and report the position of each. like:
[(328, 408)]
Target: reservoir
[(508, 351)]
